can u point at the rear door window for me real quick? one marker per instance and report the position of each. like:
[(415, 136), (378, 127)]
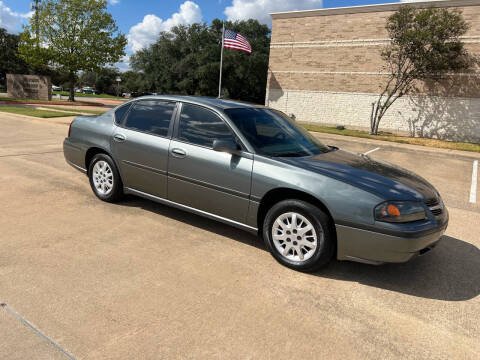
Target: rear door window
[(151, 116)]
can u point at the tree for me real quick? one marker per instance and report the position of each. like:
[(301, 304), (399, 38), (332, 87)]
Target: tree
[(187, 60), (74, 35), (134, 82), (245, 75), (103, 80), (10, 60), (425, 45)]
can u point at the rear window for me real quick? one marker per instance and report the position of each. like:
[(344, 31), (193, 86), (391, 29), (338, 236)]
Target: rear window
[(151, 116)]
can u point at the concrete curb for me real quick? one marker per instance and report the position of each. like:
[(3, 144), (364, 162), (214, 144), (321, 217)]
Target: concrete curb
[(59, 120), (66, 110)]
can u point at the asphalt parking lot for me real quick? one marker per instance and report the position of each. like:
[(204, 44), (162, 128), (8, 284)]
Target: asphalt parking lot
[(141, 280)]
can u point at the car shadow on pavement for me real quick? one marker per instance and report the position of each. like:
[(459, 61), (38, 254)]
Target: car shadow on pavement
[(450, 272), (194, 220)]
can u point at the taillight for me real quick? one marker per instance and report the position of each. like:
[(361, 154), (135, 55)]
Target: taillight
[(70, 128)]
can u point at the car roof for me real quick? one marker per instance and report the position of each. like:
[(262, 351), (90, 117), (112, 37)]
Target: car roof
[(216, 103)]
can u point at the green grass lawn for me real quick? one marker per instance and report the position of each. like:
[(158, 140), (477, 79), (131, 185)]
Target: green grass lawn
[(34, 112), (78, 111), (385, 136), (105, 96)]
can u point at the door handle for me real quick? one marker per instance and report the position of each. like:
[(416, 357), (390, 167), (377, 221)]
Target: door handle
[(119, 137), (179, 153)]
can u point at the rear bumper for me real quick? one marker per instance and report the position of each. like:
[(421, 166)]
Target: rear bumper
[(376, 248), (74, 155)]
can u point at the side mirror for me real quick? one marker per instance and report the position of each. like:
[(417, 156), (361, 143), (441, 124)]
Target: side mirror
[(226, 146)]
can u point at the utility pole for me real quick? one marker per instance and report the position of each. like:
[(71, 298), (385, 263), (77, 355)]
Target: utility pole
[(36, 7)]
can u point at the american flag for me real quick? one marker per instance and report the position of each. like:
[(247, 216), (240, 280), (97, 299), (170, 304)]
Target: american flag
[(235, 41)]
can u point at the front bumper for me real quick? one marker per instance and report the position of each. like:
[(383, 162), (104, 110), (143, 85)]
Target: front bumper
[(376, 248)]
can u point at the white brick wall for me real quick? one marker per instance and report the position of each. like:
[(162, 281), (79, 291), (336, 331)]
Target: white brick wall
[(437, 117)]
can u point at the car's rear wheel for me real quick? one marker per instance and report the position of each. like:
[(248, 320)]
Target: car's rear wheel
[(105, 179), (299, 235)]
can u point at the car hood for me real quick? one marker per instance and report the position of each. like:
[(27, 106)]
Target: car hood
[(386, 180)]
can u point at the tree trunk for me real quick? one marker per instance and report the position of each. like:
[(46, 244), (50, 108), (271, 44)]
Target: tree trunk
[(372, 119), (71, 78), (379, 117), (377, 111)]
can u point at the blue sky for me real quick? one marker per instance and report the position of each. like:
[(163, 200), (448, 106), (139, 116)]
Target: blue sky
[(142, 20), (130, 12)]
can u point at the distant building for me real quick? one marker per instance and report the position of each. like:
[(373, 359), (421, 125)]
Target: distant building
[(325, 67)]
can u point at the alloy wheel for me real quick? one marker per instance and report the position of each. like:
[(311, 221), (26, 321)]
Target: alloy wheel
[(102, 177)]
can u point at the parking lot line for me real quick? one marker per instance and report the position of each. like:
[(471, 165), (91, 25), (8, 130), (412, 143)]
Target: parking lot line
[(473, 189), (370, 151)]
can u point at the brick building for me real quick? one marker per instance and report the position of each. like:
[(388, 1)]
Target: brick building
[(325, 67)]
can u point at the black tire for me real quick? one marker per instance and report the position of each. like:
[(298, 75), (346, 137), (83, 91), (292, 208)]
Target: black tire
[(321, 223), (116, 192)]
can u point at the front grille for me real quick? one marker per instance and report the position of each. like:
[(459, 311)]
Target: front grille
[(435, 207), (431, 202)]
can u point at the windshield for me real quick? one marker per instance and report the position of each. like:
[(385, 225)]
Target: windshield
[(272, 133)]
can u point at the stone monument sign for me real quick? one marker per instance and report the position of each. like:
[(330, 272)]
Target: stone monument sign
[(29, 87)]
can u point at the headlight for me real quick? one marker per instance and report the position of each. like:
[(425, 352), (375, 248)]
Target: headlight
[(400, 211)]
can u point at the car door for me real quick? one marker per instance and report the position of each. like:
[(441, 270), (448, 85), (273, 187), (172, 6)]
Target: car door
[(140, 144), (199, 177)]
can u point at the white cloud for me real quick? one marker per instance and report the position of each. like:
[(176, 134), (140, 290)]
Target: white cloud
[(11, 20), (114, 2), (123, 64), (260, 9), (415, 0), (146, 32)]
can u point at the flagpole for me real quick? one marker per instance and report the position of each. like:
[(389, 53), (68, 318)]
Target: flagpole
[(221, 63)]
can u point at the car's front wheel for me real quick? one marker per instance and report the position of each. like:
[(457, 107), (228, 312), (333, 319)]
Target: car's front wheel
[(105, 179), (299, 235)]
